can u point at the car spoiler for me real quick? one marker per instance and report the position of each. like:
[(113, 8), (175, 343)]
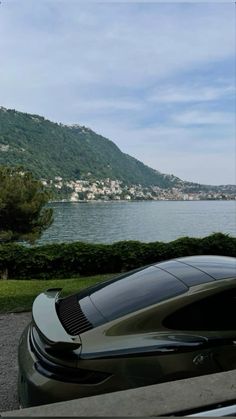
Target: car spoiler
[(48, 324)]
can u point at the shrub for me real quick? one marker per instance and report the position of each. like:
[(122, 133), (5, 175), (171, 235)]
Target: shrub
[(72, 259)]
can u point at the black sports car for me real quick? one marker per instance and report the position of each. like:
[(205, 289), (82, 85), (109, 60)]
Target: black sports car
[(170, 320)]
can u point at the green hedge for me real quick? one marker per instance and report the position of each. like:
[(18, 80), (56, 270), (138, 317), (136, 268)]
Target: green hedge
[(73, 259)]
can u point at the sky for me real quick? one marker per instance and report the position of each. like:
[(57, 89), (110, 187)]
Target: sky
[(156, 78)]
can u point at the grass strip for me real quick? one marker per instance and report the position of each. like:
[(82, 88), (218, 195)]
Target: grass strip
[(18, 295)]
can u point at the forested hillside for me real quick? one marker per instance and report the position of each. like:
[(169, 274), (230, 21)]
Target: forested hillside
[(49, 149)]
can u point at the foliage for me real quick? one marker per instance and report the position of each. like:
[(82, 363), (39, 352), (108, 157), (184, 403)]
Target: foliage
[(68, 260), (48, 149), (22, 198)]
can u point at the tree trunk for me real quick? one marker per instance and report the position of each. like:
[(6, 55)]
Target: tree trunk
[(4, 274)]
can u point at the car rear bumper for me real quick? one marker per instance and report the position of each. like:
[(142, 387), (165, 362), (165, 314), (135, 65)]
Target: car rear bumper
[(37, 384)]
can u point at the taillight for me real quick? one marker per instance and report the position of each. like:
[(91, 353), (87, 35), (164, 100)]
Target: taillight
[(70, 375)]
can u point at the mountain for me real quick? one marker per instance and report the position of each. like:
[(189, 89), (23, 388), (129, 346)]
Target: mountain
[(50, 149), (75, 152)]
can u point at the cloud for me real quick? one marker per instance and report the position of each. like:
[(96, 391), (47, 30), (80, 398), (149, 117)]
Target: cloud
[(149, 140), (119, 44), (108, 105), (188, 94), (204, 118), (156, 78)]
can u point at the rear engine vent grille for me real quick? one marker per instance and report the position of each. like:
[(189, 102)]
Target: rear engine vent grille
[(72, 317)]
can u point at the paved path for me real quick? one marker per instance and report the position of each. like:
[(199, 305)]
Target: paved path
[(11, 327)]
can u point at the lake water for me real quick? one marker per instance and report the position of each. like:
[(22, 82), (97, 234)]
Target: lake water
[(107, 222)]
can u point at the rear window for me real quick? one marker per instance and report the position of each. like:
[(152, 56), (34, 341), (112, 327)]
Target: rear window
[(186, 273), (135, 291)]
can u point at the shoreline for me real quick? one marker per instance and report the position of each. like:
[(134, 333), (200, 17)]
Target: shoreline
[(86, 201)]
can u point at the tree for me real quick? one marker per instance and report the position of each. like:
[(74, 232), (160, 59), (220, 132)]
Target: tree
[(22, 198)]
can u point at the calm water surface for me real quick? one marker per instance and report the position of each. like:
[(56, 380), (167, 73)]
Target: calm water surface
[(107, 222)]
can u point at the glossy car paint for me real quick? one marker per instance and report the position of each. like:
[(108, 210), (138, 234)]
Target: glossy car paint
[(131, 350)]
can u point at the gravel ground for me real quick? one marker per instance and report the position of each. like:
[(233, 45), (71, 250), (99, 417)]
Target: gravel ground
[(11, 327)]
